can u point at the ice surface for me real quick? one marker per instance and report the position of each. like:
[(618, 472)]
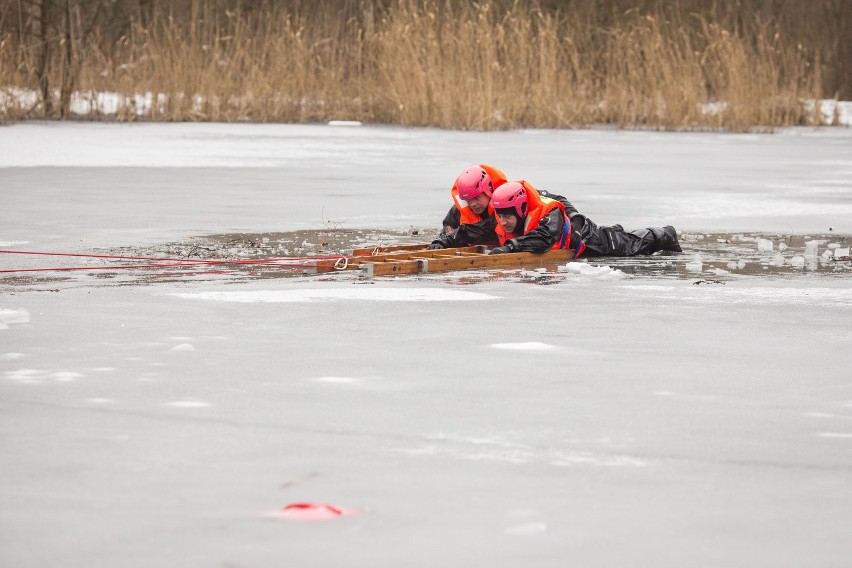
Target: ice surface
[(525, 346), (319, 295), (675, 420), (300, 176)]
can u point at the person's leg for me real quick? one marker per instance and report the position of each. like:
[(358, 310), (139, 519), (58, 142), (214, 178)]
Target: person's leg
[(666, 238), (614, 241)]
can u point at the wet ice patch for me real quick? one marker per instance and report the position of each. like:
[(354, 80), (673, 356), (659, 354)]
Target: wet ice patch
[(375, 294), (183, 347), (12, 243), (525, 346), (843, 435), (8, 317)]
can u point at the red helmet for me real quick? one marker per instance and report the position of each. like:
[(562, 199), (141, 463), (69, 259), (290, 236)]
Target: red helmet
[(474, 181), (511, 195)]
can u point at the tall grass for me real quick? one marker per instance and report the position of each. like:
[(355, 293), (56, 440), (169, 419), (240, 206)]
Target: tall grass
[(467, 65)]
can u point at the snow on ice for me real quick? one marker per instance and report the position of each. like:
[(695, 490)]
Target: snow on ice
[(375, 294), (605, 402)]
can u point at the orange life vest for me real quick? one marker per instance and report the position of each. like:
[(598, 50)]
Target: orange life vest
[(468, 217), (537, 209)]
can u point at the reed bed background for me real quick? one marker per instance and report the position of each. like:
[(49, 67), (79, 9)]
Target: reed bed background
[(733, 65)]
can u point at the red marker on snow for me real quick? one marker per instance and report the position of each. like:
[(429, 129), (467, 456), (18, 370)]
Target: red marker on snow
[(311, 512)]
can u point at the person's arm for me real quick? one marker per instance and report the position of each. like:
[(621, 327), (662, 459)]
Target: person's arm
[(481, 233), (543, 237), (452, 220)]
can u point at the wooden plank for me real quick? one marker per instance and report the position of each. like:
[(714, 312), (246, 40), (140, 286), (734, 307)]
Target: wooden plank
[(351, 262), (446, 263), (392, 267), (420, 250), (442, 260)]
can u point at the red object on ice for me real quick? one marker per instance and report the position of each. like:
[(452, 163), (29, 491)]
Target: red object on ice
[(311, 512)]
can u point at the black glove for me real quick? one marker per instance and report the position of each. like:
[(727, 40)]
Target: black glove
[(500, 250), (435, 246)]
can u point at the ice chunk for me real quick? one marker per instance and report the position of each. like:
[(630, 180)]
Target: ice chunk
[(827, 254), (585, 269), (797, 261), (764, 245), (811, 248), (841, 252), (741, 264), (732, 265), (782, 247), (695, 265), (834, 245), (777, 260)]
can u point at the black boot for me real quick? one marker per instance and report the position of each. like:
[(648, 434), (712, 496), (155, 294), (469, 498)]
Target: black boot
[(666, 239)]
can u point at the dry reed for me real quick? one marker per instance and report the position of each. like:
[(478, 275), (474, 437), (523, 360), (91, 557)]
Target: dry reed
[(465, 65)]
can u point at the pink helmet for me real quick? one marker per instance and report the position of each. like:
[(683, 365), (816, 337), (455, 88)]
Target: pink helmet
[(511, 195), (474, 181)]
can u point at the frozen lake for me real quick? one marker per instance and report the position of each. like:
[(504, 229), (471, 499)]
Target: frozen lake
[(684, 410)]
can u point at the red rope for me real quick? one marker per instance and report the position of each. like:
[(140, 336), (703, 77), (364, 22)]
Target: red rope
[(319, 257), (294, 262), (162, 265)]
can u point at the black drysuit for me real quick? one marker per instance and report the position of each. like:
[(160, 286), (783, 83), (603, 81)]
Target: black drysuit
[(600, 241)]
